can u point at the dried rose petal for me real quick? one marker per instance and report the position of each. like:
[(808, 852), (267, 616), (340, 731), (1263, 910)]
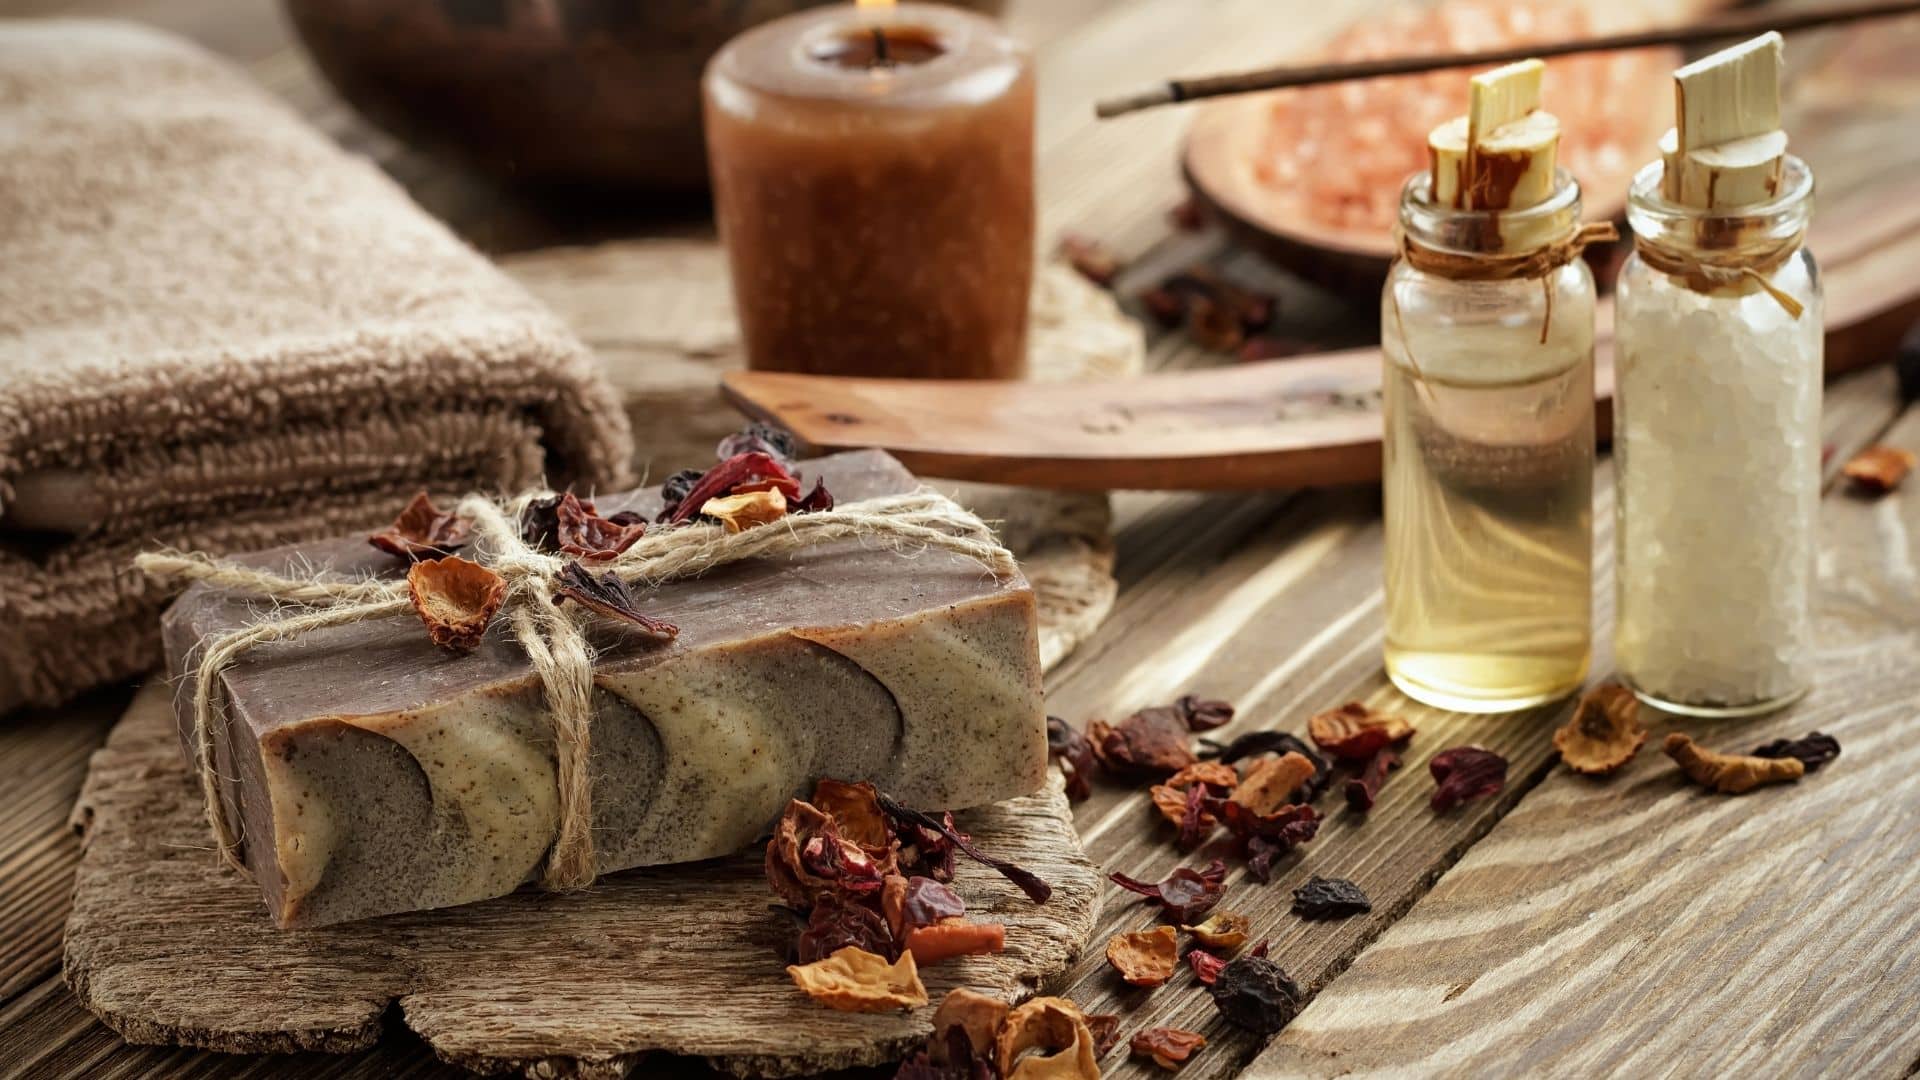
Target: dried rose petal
[(953, 937), (1730, 774), (854, 980), (1203, 714), (1222, 930), (1329, 898), (1037, 890), (611, 597), (739, 470), (1090, 258), (1465, 773), (423, 530), (1074, 754), (1168, 1047), (1254, 993), (1362, 790), (1879, 469), (1355, 732), (456, 599), (1604, 732), (581, 532), (837, 921), (747, 510), (1206, 966), (1046, 1038), (1814, 749), (1145, 957), (1151, 742), (1270, 782), (976, 1015), (1186, 894)]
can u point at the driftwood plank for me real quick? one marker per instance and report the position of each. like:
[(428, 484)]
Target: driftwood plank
[(1641, 925)]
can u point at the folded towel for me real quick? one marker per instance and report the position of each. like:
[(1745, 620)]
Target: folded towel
[(219, 331)]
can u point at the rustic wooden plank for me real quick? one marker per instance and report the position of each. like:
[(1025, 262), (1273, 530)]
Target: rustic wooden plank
[(1779, 926)]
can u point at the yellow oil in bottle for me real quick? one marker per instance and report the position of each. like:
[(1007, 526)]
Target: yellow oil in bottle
[(1488, 493)]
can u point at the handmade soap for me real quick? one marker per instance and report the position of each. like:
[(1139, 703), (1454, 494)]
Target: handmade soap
[(372, 771)]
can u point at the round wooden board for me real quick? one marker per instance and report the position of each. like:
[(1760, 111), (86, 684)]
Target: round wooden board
[(168, 947)]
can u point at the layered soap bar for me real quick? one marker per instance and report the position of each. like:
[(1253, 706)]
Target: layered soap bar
[(373, 772)]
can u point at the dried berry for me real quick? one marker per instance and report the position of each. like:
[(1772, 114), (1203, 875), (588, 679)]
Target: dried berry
[(760, 438), (1731, 774), (1037, 890), (838, 921), (580, 531), (1206, 966), (1186, 895), (1074, 754), (854, 980), (456, 599), (1046, 1038), (953, 937), (1465, 773), (1879, 469), (1168, 1047), (1222, 930), (1814, 749), (1604, 732), (1362, 790), (1144, 957), (1270, 782), (741, 471), (1329, 898), (1090, 258), (423, 531), (746, 510), (1255, 994), (1151, 742), (611, 597), (1203, 714), (1354, 732)]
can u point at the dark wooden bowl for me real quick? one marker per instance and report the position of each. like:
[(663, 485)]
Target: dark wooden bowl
[(596, 93)]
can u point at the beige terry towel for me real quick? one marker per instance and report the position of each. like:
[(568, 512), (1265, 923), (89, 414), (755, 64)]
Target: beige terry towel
[(219, 331)]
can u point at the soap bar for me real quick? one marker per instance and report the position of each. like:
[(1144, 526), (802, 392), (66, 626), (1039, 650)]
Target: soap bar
[(373, 772)]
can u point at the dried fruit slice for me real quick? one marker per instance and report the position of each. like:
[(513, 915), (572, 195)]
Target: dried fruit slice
[(1730, 774), (1168, 1047), (1144, 957), (953, 937), (1604, 732), (423, 530), (1172, 797), (912, 903), (580, 531), (855, 980), (856, 809), (748, 509), (1879, 469), (456, 599), (837, 921), (1203, 714), (1355, 732), (1271, 782), (1464, 773), (1046, 1037), (1222, 930), (977, 1015)]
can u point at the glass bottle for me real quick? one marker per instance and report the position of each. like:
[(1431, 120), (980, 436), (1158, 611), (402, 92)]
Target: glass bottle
[(1717, 442), (1489, 444)]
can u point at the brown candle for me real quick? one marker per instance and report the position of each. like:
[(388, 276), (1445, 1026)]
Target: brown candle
[(873, 180)]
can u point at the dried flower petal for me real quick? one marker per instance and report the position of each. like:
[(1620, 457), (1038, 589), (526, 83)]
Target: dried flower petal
[(1329, 898), (1222, 930), (1168, 1047), (1362, 790), (579, 531), (1174, 800), (911, 903), (1046, 1038), (1151, 742), (1464, 773), (1144, 957), (747, 510), (854, 980), (1731, 774), (1814, 749), (953, 937), (837, 921), (1254, 993), (1879, 469), (423, 530), (740, 470), (856, 810), (1186, 894), (975, 1014), (675, 491), (1074, 754), (1355, 732), (611, 597), (1037, 890), (1105, 1028), (1604, 732), (808, 858), (1270, 782), (1266, 837), (1206, 966), (1203, 714), (817, 501), (456, 600)]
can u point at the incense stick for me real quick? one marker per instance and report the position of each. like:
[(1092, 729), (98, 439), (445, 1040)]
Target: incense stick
[(1741, 25)]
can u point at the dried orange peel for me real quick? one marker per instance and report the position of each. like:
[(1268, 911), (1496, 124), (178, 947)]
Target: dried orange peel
[(855, 980), (1604, 732)]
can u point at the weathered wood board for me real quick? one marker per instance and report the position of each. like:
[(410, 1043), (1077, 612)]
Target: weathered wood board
[(167, 946)]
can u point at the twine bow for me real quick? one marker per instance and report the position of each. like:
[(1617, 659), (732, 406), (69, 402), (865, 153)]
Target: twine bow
[(1520, 266), (552, 636), (1705, 271)]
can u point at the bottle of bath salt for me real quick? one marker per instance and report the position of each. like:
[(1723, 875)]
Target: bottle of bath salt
[(1487, 334), (1717, 411)]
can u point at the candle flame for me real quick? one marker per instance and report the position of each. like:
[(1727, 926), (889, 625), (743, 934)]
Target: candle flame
[(873, 3)]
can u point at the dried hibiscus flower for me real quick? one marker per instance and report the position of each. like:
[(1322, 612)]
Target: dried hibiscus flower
[(423, 530), (1186, 894), (1074, 754), (746, 510), (817, 501), (1172, 797), (1465, 773), (1254, 993), (1604, 732), (1730, 774), (808, 858), (1168, 1047), (1362, 790), (1206, 966), (912, 903), (1265, 837), (837, 921), (1355, 732), (854, 980), (1203, 714), (1151, 742), (1270, 782), (750, 470), (613, 598), (1037, 890), (1105, 1028), (1144, 957), (1329, 898), (1222, 930), (1879, 469), (580, 531), (1814, 749), (1046, 1038), (856, 810), (456, 599)]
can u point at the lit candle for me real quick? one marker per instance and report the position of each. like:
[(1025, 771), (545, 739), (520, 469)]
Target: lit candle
[(873, 181)]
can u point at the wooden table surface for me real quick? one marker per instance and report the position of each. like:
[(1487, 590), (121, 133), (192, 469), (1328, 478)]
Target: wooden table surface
[(1634, 926)]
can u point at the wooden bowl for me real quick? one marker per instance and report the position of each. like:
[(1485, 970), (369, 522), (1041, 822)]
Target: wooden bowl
[(596, 93)]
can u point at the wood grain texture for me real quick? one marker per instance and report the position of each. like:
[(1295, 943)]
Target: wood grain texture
[(1641, 926), (166, 946)]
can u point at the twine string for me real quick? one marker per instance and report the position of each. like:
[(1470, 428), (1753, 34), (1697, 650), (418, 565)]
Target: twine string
[(1705, 271)]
